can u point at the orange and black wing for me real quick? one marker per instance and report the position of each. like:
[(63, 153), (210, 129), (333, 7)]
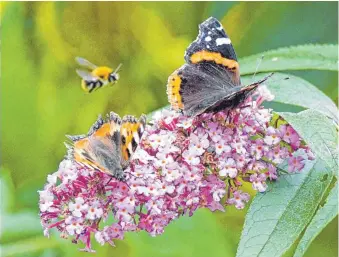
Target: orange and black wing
[(131, 132), (210, 75), (100, 149), (214, 46)]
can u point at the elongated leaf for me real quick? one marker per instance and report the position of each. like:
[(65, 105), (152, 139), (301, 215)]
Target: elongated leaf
[(7, 190), (275, 219), (27, 246), (297, 91), (319, 133), (323, 216), (12, 230), (302, 57)]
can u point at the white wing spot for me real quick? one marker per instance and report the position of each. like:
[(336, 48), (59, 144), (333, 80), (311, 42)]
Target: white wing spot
[(208, 47), (208, 38), (130, 147), (209, 32), (136, 137), (223, 41)]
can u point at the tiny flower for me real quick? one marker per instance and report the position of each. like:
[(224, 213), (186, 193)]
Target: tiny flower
[(241, 161), (198, 144), (310, 154), (99, 236), (127, 203), (264, 93), (278, 154), (154, 207), (258, 149), (171, 172), (271, 138), (115, 231), (258, 182), (124, 215), (184, 123), (221, 147), (160, 140), (239, 147), (295, 163), (52, 179), (74, 225), (239, 199), (214, 131), (163, 160), (94, 212), (272, 172), (218, 194), (262, 116), (289, 135), (46, 200), (257, 166), (190, 157), (142, 155), (229, 169), (78, 207)]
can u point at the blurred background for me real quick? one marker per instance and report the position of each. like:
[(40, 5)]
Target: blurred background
[(41, 100)]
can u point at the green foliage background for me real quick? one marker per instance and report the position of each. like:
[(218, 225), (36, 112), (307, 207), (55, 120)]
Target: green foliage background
[(41, 100)]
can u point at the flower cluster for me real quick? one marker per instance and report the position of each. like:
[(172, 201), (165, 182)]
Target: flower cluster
[(181, 164)]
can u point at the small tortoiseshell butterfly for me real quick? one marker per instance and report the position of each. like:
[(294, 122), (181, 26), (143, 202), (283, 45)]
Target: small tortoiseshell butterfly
[(109, 144)]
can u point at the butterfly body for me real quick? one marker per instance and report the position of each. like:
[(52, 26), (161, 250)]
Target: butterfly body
[(210, 79), (108, 146), (96, 76)]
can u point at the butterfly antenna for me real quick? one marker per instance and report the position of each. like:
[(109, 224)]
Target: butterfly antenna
[(277, 80), (258, 64)]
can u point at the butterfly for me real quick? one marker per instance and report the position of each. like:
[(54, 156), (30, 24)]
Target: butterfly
[(109, 144), (210, 79), (97, 77)]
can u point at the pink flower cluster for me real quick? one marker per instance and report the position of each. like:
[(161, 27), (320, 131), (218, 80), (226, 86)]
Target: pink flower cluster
[(181, 164)]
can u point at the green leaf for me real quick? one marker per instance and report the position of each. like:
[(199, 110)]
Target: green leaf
[(319, 133), (323, 216), (12, 230), (302, 57), (297, 91), (24, 247), (276, 218), (6, 191)]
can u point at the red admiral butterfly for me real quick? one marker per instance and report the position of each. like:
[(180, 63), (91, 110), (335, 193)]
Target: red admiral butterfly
[(210, 79)]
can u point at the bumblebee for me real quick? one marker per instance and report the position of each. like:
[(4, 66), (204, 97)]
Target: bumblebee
[(97, 77)]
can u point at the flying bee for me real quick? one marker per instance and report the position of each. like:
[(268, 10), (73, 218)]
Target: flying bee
[(97, 77)]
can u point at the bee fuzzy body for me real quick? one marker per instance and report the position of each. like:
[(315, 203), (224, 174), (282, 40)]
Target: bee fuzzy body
[(98, 77)]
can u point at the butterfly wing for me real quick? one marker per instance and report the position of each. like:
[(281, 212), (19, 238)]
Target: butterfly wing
[(210, 75), (131, 133), (195, 88), (85, 63), (212, 42), (100, 149)]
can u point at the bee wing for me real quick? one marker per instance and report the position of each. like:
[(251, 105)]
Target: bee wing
[(83, 62), (86, 75)]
